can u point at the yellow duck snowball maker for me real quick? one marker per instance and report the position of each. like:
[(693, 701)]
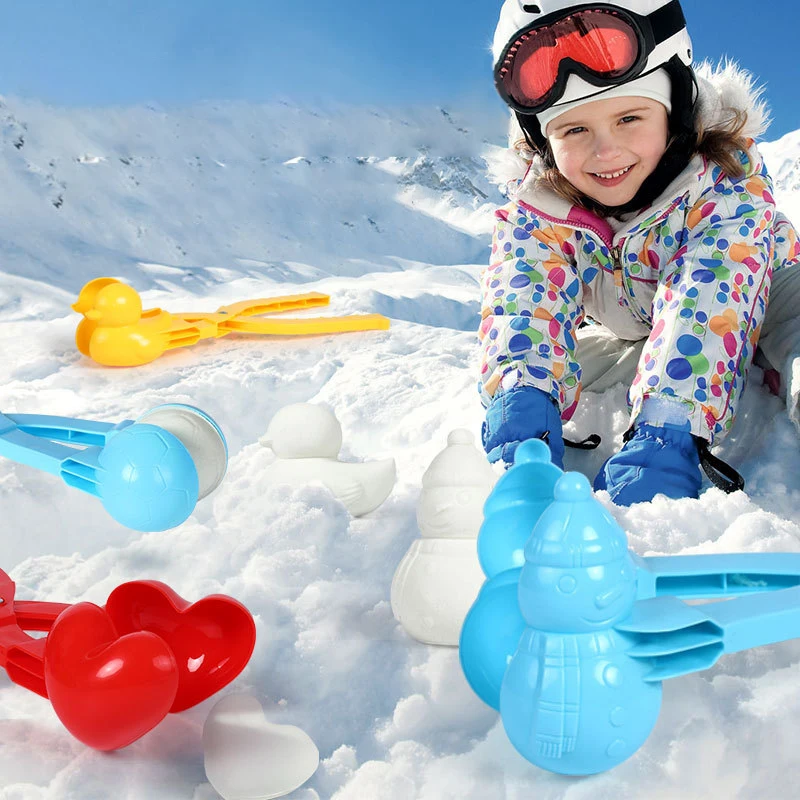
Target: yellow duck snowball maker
[(115, 330)]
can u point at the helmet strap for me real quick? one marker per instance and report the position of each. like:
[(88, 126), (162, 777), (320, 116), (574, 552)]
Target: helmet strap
[(533, 132)]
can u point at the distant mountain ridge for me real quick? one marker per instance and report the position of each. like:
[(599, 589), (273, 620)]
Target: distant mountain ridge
[(202, 195), (215, 191)]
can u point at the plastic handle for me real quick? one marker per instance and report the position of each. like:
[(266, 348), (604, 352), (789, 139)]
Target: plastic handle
[(309, 326), (27, 439), (758, 619), (21, 655), (678, 639), (35, 615), (716, 576), (67, 429), (82, 470), (275, 305), (28, 449)]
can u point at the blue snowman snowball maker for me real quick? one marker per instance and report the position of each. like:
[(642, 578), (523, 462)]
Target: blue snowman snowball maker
[(572, 700)]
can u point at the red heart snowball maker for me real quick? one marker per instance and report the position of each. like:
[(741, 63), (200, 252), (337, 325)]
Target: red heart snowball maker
[(107, 689), (212, 639)]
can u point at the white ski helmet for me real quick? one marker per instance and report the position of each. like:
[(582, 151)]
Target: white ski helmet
[(554, 53)]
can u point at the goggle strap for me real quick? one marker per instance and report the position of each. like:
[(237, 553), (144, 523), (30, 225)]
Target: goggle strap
[(667, 21)]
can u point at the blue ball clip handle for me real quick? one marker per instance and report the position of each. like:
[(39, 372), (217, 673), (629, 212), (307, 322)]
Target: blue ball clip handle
[(144, 475)]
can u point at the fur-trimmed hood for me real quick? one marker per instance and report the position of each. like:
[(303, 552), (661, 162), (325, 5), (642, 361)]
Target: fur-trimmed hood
[(722, 90)]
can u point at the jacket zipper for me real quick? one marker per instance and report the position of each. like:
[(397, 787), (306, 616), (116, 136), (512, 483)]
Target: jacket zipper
[(619, 280), (616, 257)]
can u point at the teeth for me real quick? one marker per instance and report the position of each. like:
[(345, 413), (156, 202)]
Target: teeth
[(610, 175)]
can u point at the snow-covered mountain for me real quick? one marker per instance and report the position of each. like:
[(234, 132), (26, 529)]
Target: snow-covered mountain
[(387, 212), (783, 159), (271, 190)]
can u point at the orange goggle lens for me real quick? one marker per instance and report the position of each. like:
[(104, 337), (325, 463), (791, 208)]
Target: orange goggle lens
[(601, 41)]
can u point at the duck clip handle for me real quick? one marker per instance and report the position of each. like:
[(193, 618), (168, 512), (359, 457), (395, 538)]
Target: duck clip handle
[(113, 672), (148, 473), (118, 332)]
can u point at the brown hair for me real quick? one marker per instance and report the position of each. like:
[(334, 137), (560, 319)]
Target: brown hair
[(720, 144)]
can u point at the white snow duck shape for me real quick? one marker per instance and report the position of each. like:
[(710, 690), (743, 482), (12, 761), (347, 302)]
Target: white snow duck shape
[(306, 439), (440, 576)]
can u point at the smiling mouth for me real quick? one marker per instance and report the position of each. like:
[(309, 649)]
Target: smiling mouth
[(611, 176)]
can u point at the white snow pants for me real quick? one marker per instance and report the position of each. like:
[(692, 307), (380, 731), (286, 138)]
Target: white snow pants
[(607, 360)]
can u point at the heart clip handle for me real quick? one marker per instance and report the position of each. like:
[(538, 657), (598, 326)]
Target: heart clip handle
[(112, 673)]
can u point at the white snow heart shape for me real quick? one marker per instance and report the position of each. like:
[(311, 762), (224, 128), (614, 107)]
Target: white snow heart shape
[(249, 758)]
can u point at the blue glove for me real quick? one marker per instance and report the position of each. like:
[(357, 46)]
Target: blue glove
[(656, 460), (516, 415)]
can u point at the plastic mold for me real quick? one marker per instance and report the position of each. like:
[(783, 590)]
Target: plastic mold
[(113, 673), (572, 645), (117, 332), (148, 473)]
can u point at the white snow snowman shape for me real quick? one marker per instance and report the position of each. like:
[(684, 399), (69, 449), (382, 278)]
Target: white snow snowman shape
[(440, 576)]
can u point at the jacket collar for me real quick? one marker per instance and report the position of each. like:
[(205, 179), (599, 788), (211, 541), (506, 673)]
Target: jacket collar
[(692, 181)]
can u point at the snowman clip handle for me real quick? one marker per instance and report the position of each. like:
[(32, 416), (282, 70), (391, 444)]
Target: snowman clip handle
[(676, 639)]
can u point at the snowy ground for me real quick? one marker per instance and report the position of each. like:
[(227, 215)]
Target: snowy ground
[(393, 719)]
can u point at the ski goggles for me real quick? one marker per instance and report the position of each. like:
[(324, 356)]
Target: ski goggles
[(604, 44)]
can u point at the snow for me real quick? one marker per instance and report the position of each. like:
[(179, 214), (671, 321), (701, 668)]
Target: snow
[(389, 213), (783, 157)]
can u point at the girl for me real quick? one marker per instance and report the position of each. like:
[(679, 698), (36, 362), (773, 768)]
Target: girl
[(641, 244)]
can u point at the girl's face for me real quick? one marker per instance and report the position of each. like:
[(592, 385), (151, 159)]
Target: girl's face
[(607, 148)]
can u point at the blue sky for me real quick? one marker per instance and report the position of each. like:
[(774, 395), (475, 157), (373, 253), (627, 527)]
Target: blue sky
[(174, 52)]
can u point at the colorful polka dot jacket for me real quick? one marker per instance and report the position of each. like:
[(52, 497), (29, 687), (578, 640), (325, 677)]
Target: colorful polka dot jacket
[(692, 274)]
